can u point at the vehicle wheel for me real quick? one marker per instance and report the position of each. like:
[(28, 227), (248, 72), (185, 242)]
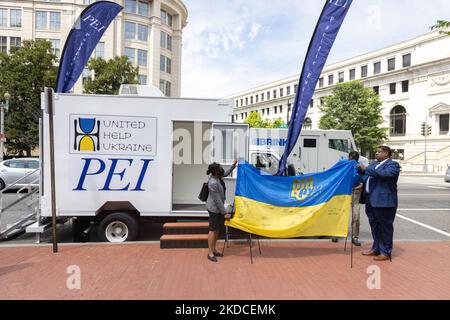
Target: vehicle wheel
[(118, 227), (2, 184)]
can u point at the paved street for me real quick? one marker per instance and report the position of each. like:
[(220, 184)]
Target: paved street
[(424, 214)]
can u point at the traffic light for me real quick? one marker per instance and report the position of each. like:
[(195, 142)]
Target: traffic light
[(423, 128), (428, 130)]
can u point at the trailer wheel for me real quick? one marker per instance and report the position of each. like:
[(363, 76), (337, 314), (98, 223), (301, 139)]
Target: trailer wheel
[(2, 184), (118, 227)]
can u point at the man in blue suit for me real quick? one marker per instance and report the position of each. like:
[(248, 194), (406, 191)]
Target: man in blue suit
[(380, 196)]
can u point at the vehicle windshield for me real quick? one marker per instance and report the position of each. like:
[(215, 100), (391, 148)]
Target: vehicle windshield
[(342, 145), (265, 162)]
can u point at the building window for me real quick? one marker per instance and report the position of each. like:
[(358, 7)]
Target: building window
[(330, 79), (4, 44), (352, 74), (100, 50), (398, 121), (142, 32), (246, 101), (256, 98), (130, 53), (165, 87), (15, 18), (166, 41), (41, 20), (275, 110), (281, 92), (262, 96), (288, 90), (391, 64), (135, 31), (166, 18), (311, 104), (130, 6), (341, 77), (251, 100), (130, 30), (55, 21), (56, 46), (137, 7), (3, 17), (307, 124), (15, 42), (377, 68), (268, 95), (393, 88), (376, 89), (398, 154), (443, 123), (142, 57), (322, 101), (143, 7), (281, 109), (405, 86), (364, 71), (268, 111), (274, 94), (242, 116), (236, 104), (321, 82), (242, 102), (165, 64), (262, 111), (142, 79), (407, 60), (295, 88)]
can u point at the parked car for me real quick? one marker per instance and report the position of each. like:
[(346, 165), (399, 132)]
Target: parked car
[(447, 175), (14, 169)]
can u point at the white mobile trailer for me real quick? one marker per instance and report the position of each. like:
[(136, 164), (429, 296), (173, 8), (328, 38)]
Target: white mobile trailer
[(118, 156)]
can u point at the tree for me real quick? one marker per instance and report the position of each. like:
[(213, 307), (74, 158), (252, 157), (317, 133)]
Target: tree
[(255, 120), (109, 75), (24, 73), (442, 24), (354, 107)]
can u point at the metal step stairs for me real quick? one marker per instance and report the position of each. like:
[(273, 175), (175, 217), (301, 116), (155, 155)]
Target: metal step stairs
[(178, 235)]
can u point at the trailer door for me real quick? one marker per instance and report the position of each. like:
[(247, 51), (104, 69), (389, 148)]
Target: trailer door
[(229, 142)]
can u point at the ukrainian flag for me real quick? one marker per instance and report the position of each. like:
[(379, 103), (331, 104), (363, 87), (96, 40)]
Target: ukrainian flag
[(290, 207)]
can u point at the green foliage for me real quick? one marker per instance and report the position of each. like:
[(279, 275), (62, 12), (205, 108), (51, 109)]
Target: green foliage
[(109, 75), (24, 74), (356, 108), (254, 120), (442, 24)]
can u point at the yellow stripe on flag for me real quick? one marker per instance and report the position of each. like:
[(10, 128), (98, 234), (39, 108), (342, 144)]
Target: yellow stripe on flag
[(326, 219)]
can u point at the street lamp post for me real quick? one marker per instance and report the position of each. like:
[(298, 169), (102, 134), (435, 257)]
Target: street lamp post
[(3, 107)]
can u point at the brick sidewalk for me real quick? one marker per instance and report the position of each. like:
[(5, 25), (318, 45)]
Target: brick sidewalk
[(286, 270)]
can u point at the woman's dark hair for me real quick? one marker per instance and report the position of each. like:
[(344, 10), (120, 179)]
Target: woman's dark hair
[(213, 168), (354, 155)]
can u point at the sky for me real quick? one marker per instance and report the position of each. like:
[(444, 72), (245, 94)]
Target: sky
[(234, 45)]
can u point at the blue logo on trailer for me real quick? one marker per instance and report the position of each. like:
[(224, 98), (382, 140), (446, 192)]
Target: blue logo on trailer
[(95, 167)]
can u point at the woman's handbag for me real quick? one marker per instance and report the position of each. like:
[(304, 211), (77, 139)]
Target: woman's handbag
[(204, 192)]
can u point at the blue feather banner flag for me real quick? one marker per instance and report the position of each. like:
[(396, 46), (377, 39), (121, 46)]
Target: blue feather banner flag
[(82, 40), (327, 29)]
